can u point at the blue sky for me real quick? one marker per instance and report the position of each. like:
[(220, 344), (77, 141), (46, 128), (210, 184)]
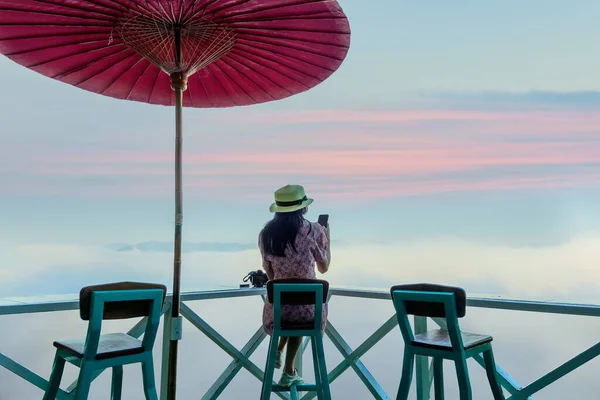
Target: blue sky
[(476, 121)]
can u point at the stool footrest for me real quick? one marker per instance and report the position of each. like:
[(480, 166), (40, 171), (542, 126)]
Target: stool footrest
[(305, 387)]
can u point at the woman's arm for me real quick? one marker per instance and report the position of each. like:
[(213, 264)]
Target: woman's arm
[(268, 269), (324, 265), (266, 264)]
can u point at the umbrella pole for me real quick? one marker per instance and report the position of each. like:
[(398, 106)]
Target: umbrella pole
[(178, 84)]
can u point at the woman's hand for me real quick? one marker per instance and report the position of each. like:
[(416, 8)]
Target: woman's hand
[(324, 266)]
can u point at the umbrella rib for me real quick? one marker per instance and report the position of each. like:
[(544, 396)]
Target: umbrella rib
[(181, 7), (205, 91), (106, 69), (239, 25), (186, 6), (147, 9), (159, 11), (42, 36), (139, 78), (201, 60), (210, 71), (260, 74), (191, 5), (258, 35), (258, 10), (217, 10), (102, 5), (142, 44), (158, 72), (271, 69), (320, 16), (233, 80), (71, 25), (171, 8), (137, 62), (56, 14), (291, 58), (166, 12), (189, 93), (247, 51), (208, 56), (57, 46), (76, 8), (295, 48), (79, 68), (58, 58)]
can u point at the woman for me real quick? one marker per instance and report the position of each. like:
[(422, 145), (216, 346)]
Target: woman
[(290, 246)]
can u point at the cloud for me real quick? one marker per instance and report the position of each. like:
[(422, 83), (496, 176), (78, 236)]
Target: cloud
[(369, 154), (187, 247), (569, 269), (533, 99)]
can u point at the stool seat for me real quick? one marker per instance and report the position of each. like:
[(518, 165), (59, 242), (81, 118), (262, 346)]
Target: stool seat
[(290, 326), (440, 339), (110, 345)]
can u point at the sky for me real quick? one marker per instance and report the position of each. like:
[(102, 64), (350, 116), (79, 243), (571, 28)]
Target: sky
[(475, 122), (457, 143)]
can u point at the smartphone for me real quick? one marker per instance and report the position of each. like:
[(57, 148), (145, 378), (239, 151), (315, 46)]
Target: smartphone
[(323, 220)]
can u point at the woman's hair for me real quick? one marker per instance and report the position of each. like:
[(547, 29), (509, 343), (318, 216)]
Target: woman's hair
[(280, 233)]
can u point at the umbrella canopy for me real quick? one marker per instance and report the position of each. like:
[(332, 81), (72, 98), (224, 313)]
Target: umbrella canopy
[(197, 53), (234, 52)]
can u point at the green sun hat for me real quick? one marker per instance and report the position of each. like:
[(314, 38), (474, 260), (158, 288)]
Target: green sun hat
[(290, 198)]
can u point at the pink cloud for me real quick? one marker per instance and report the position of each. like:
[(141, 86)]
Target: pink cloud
[(409, 116), (364, 161), (421, 159), (351, 190)]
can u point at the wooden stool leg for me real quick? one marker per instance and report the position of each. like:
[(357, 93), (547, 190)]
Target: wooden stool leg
[(117, 382), (57, 371), (464, 383), (316, 367), (293, 393), (84, 381), (269, 368), (322, 368), (490, 369), (407, 373), (149, 380), (438, 377)]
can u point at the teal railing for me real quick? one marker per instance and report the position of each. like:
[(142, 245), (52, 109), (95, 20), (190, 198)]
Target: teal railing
[(351, 358)]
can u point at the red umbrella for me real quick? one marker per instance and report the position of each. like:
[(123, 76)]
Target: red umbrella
[(211, 53)]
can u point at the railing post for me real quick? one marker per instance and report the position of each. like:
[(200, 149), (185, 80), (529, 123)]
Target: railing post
[(164, 369), (422, 364), (298, 363)]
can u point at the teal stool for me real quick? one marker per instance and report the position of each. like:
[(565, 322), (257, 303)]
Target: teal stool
[(297, 292), (100, 351), (436, 301)]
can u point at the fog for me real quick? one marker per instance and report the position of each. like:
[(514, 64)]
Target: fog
[(527, 345)]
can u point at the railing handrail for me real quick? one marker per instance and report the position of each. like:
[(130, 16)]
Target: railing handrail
[(496, 302), (493, 302)]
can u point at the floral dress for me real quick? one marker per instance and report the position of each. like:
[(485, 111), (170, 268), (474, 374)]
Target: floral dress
[(311, 246)]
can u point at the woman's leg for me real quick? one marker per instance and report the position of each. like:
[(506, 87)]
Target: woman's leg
[(282, 343), (293, 345)]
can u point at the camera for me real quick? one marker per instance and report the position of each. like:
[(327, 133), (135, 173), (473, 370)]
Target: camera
[(257, 278)]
